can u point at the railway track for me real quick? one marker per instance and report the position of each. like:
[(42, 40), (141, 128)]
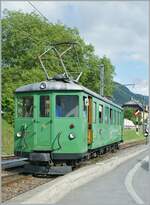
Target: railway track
[(12, 161), (9, 157), (14, 182), (132, 144), (11, 176)]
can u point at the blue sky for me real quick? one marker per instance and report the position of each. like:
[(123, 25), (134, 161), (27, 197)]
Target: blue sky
[(116, 29)]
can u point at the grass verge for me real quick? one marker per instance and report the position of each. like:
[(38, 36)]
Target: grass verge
[(130, 135), (7, 138)]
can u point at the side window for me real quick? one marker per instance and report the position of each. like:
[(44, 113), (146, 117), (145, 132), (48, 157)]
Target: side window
[(117, 115), (119, 119), (116, 118), (44, 106), (100, 113), (106, 115), (111, 116), (94, 112)]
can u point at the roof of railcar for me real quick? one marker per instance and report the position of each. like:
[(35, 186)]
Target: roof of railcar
[(63, 86)]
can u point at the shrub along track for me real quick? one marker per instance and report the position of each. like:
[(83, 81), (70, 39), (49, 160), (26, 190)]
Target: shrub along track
[(15, 183)]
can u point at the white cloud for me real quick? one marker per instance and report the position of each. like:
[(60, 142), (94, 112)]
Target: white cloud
[(117, 29), (141, 87), (137, 56)]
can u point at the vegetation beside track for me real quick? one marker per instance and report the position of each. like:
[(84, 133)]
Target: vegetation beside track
[(7, 138), (130, 135)]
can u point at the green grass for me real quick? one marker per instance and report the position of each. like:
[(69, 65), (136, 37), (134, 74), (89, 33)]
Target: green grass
[(130, 134), (7, 138)]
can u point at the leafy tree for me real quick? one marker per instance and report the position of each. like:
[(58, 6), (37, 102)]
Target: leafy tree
[(109, 71), (24, 37), (129, 114)]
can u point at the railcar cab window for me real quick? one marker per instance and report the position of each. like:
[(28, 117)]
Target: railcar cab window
[(44, 106), (67, 106), (25, 106), (100, 113)]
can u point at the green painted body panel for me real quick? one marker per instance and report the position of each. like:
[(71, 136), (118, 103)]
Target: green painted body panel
[(105, 133), (42, 133)]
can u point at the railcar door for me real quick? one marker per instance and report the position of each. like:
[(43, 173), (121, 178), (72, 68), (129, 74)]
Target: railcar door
[(43, 122), (24, 124), (90, 132)]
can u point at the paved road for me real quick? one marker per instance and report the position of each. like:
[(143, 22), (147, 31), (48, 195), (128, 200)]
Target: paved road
[(116, 187), (141, 182)]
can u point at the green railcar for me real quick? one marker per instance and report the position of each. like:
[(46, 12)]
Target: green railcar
[(62, 121)]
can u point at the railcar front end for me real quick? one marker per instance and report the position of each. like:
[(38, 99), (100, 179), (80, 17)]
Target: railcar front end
[(49, 126)]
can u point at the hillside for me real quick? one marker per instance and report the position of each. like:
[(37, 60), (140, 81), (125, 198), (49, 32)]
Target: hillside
[(122, 94)]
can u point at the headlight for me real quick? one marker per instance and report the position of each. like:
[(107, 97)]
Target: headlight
[(71, 136), (43, 85), (146, 133), (18, 134)]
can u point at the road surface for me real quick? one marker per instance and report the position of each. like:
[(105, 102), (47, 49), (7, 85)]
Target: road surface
[(128, 184)]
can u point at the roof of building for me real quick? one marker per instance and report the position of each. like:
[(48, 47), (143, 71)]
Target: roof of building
[(133, 103)]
